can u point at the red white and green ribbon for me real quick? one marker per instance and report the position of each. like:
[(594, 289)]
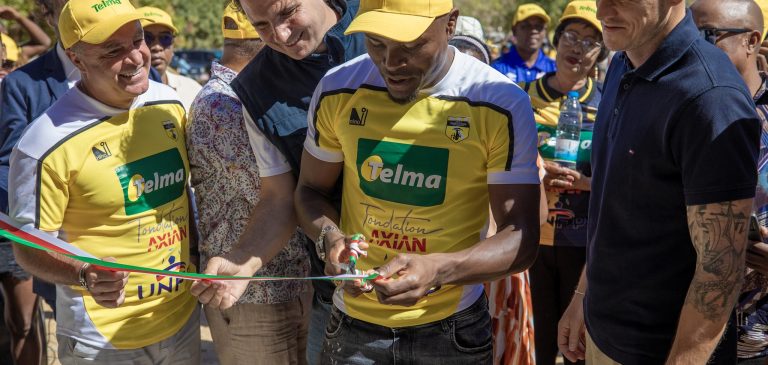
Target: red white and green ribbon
[(40, 240)]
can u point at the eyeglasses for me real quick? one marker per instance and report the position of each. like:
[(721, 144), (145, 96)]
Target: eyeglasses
[(570, 39), (711, 35), (165, 39), (7, 65)]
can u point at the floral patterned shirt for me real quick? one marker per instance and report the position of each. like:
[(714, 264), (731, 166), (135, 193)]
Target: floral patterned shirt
[(225, 178)]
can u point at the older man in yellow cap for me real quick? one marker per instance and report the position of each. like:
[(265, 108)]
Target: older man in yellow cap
[(268, 325), (525, 61), (424, 138), (160, 35), (83, 171)]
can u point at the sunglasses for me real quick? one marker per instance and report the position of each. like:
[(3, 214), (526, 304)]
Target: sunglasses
[(7, 65), (166, 40), (711, 35)]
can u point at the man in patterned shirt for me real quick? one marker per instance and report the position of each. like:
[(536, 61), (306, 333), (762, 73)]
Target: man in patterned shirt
[(269, 323)]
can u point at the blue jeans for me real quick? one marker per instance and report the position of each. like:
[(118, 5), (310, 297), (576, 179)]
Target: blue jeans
[(463, 338), (318, 321)]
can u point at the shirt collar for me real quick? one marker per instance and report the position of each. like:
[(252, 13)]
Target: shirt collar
[(335, 39), (222, 72), (671, 49), (550, 94), (70, 71), (513, 57)]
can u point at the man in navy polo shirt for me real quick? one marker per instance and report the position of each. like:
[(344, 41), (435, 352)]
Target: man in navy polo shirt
[(674, 171)]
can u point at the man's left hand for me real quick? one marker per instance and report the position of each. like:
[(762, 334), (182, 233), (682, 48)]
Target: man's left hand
[(416, 276)]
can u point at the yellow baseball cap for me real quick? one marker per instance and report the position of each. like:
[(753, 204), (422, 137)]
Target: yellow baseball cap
[(154, 15), (235, 25), (583, 9), (526, 11), (11, 48), (398, 20), (94, 21)]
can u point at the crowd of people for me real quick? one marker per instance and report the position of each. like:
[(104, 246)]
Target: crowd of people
[(387, 138)]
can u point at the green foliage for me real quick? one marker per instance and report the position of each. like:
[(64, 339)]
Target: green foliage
[(496, 15), (198, 21)]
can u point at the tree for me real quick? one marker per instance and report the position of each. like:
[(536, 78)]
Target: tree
[(198, 21)]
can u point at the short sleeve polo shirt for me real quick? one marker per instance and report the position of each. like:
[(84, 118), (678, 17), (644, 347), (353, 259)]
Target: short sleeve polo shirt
[(680, 130)]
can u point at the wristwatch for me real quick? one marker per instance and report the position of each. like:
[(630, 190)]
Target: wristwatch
[(320, 243), (81, 276)]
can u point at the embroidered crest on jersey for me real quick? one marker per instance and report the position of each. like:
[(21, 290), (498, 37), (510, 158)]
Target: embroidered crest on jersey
[(358, 119), (152, 181), (457, 128), (101, 151), (402, 173), (170, 130)]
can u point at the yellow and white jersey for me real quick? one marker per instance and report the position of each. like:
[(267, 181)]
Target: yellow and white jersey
[(113, 183), (416, 175)]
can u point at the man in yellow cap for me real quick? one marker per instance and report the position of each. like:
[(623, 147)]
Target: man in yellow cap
[(84, 171), (160, 35), (526, 61), (268, 325), (424, 138)]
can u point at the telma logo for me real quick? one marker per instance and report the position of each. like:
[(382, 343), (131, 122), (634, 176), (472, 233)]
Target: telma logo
[(152, 181), (402, 173), (104, 4), (373, 169)]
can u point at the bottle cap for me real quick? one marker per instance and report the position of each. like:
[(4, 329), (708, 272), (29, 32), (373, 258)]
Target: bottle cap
[(573, 94)]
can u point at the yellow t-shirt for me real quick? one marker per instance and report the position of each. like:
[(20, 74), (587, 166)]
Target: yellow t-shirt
[(113, 183), (416, 175)]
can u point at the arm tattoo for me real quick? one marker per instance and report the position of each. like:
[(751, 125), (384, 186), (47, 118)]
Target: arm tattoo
[(719, 235)]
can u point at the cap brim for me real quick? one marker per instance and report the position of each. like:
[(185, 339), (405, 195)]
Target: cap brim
[(147, 21), (397, 27), (101, 32), (543, 16), (594, 23)]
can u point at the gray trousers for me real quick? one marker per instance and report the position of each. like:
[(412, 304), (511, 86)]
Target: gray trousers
[(183, 348)]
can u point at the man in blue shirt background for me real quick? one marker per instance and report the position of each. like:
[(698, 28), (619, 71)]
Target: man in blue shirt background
[(526, 62)]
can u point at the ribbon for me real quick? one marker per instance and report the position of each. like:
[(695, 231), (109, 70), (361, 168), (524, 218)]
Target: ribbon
[(40, 240)]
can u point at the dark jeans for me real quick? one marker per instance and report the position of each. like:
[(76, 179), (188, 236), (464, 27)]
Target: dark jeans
[(463, 338), (554, 277)]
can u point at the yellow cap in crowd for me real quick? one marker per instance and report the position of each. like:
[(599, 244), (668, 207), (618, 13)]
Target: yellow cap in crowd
[(153, 15), (526, 11), (398, 20), (235, 25), (584, 10), (94, 21), (11, 48)]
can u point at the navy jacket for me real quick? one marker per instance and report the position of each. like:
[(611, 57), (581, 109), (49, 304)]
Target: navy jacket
[(25, 94), (276, 91)]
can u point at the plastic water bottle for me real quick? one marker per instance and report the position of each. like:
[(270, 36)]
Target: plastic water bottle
[(568, 132)]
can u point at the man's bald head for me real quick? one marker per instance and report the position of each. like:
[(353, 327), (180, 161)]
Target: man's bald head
[(736, 26), (728, 14)]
